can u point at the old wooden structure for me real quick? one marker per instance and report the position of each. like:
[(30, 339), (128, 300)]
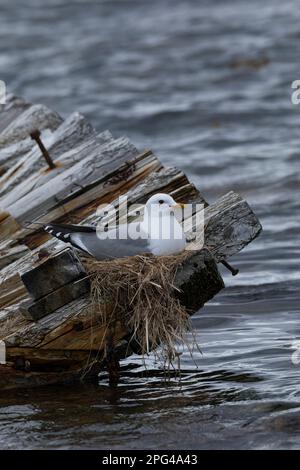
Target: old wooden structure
[(45, 330)]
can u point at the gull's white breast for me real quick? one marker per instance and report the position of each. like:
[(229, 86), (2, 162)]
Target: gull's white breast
[(165, 235)]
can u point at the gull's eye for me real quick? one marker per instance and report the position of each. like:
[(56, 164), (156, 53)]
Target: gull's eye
[(161, 201)]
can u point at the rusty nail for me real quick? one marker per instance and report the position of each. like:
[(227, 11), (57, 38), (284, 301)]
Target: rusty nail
[(233, 270), (36, 135)]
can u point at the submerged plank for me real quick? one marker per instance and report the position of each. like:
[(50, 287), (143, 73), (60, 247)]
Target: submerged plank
[(12, 378)]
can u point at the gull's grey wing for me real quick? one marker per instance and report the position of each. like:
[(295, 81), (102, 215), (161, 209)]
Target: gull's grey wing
[(112, 247), (85, 238)]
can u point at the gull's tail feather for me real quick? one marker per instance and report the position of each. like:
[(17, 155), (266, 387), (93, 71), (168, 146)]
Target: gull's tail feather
[(86, 239), (68, 233)]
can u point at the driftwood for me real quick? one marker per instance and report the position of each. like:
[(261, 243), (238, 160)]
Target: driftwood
[(45, 322)]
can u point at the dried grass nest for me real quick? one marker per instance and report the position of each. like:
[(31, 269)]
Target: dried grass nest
[(141, 291)]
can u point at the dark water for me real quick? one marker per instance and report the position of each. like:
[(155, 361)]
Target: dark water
[(169, 75)]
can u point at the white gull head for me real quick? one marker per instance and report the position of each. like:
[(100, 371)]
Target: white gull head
[(165, 233)]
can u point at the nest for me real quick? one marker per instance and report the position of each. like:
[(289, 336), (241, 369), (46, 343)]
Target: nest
[(141, 295)]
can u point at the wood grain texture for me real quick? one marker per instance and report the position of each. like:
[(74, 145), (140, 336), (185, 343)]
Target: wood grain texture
[(52, 273), (230, 225), (31, 170), (99, 164), (35, 310), (36, 116), (10, 255), (9, 111)]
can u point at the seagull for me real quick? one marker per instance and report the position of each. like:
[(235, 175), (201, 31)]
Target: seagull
[(158, 233)]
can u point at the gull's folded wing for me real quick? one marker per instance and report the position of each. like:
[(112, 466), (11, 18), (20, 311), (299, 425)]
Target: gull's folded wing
[(113, 246)]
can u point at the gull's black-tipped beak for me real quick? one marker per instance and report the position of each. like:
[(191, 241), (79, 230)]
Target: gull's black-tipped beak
[(179, 205)]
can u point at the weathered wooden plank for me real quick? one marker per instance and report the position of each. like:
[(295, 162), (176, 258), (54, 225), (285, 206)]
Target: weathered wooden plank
[(65, 366), (11, 320), (58, 298), (40, 358), (198, 280), (84, 203), (12, 289), (31, 170), (9, 111), (36, 116), (8, 225), (230, 225), (85, 200), (52, 273), (99, 165), (12, 292), (63, 185), (169, 180), (10, 255), (50, 327), (10, 154)]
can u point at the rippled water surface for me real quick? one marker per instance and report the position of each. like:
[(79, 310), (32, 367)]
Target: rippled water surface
[(207, 85)]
